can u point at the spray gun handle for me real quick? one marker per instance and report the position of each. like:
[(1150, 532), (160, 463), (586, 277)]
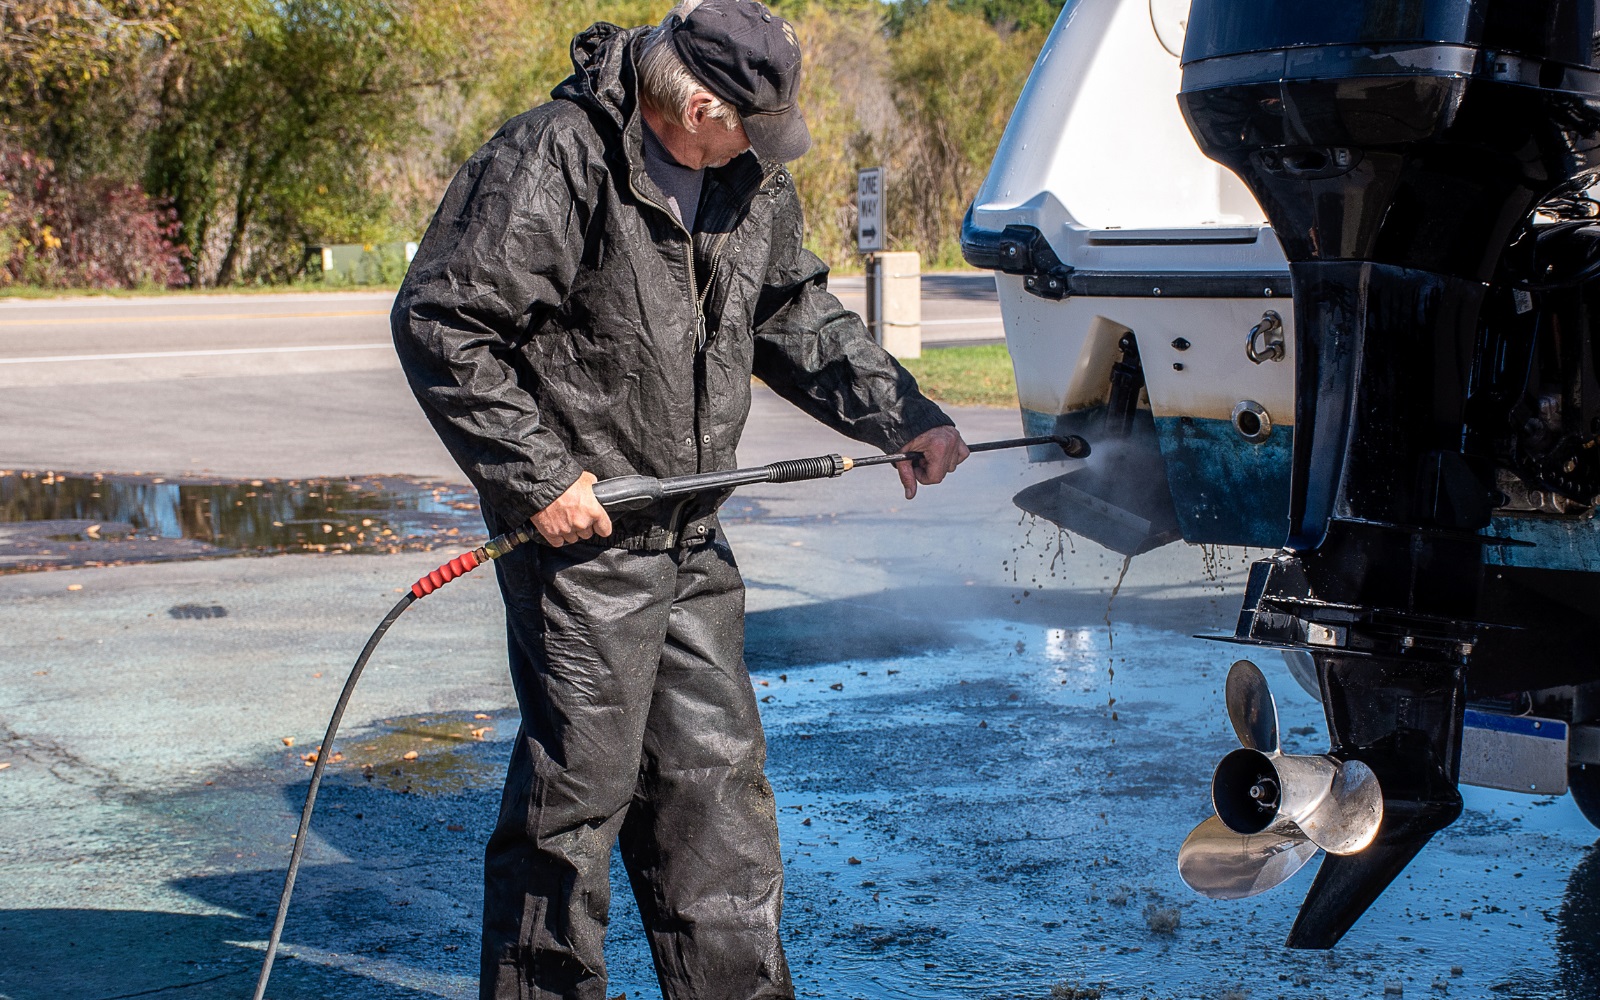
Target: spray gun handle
[(628, 492)]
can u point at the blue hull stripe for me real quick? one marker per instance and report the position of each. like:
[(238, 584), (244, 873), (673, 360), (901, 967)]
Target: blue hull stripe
[(1230, 491), (1544, 729)]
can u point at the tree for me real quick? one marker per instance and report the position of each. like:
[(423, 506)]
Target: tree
[(1028, 15), (51, 49), (956, 80), (270, 125), (276, 114), (845, 97)]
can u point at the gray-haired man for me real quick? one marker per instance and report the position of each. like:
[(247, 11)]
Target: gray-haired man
[(598, 286)]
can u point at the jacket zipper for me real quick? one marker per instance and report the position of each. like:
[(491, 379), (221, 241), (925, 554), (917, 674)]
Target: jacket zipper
[(700, 328), (694, 284), (697, 294), (716, 259), (711, 277)]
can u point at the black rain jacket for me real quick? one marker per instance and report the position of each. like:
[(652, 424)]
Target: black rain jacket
[(557, 318)]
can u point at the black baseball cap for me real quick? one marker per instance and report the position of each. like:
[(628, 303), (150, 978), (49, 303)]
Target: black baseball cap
[(750, 58)]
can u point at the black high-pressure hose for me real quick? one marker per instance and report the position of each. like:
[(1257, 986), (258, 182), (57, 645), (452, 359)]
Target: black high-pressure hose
[(619, 494)]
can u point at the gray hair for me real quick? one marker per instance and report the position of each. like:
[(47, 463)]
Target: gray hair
[(665, 83)]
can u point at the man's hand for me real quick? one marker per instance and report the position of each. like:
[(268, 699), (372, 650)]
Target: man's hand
[(575, 515), (942, 450)]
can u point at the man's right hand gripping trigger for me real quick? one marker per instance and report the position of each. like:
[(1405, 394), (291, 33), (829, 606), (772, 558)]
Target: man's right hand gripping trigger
[(574, 515)]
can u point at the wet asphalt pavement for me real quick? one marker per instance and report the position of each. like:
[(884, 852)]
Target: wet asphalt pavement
[(984, 762)]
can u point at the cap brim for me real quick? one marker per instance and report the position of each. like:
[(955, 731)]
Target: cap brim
[(778, 137)]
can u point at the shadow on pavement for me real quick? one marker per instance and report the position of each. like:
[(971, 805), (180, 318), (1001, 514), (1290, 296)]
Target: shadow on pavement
[(914, 620), (975, 287), (384, 908), (961, 802), (1578, 929), (48, 954)]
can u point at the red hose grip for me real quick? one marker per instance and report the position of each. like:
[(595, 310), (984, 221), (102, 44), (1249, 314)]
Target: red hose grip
[(459, 566)]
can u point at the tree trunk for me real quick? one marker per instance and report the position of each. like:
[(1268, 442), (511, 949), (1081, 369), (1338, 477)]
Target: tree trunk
[(243, 208)]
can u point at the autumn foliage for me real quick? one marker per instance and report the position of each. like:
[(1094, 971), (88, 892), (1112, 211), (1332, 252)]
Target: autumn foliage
[(95, 233), (222, 138)]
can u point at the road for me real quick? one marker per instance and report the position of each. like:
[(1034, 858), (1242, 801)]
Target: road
[(261, 385), (986, 742), (87, 340)]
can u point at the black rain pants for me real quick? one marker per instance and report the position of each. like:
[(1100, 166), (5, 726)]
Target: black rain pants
[(638, 723)]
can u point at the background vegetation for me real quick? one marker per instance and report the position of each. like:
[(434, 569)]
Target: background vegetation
[(210, 142)]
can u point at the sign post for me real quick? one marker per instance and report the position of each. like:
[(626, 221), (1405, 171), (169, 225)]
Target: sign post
[(894, 280)]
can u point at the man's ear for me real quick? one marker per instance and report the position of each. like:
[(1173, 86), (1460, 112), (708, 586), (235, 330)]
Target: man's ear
[(698, 105)]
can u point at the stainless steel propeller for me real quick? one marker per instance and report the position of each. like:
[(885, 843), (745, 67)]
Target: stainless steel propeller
[(1221, 864), (1274, 810)]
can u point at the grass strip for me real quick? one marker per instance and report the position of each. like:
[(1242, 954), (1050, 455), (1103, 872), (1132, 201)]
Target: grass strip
[(966, 376)]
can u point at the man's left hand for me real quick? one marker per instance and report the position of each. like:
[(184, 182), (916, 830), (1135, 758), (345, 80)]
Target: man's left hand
[(942, 450)]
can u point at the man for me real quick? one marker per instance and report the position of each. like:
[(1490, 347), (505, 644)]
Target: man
[(591, 300)]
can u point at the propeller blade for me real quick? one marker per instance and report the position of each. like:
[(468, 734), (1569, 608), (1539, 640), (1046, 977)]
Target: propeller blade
[(1347, 818), (1220, 864), (1251, 709)]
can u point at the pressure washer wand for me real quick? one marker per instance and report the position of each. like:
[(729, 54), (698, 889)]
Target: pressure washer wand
[(619, 494), (632, 492)]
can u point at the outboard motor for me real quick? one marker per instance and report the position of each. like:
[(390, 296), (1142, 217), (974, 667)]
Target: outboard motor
[(1400, 149)]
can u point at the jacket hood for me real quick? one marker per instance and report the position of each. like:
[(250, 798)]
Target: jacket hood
[(602, 71)]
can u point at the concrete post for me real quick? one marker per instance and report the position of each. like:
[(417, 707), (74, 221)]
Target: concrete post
[(894, 302)]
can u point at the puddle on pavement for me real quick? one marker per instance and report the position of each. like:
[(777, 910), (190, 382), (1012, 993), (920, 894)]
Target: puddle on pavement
[(59, 521), (53, 521), (420, 755)]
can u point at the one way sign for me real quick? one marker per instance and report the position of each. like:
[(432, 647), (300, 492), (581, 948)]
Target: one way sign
[(869, 209)]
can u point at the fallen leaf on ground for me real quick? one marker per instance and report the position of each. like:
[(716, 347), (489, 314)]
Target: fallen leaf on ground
[(4, 766), (288, 741), (477, 734), (74, 586), (480, 715), (409, 755)]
